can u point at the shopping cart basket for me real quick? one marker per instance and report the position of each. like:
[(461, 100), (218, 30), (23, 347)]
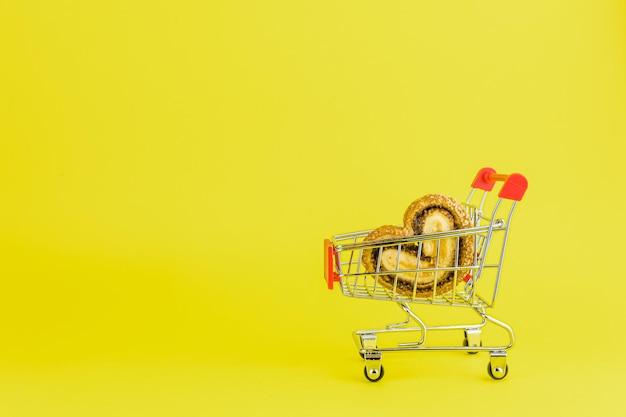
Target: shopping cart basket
[(475, 285)]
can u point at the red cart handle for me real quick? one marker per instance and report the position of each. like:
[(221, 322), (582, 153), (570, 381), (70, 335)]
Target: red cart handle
[(514, 187), (330, 256)]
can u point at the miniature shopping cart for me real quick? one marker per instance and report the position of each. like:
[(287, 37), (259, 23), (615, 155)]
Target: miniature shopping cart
[(475, 285)]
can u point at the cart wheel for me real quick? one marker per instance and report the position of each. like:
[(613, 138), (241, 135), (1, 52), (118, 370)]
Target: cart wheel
[(367, 341), (472, 338), (374, 375), (497, 373), (466, 344)]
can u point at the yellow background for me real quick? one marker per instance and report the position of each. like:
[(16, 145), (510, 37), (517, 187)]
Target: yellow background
[(169, 169)]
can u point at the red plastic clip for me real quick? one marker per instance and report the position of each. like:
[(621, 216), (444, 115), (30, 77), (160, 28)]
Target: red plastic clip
[(330, 256), (514, 187), (483, 179)]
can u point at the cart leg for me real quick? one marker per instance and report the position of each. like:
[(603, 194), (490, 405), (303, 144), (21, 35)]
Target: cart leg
[(497, 367), (411, 315), (501, 324), (374, 370)]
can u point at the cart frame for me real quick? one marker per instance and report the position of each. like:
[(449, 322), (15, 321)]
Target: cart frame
[(342, 264)]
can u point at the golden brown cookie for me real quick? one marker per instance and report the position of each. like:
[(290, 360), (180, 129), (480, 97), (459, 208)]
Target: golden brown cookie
[(423, 217), (452, 206), (370, 256), (429, 214)]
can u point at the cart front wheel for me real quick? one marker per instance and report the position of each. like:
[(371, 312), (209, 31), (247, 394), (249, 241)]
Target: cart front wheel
[(373, 374), (498, 372)]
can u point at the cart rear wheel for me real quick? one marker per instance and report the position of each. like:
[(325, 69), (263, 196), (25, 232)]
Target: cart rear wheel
[(472, 338), (362, 355), (466, 344), (374, 375), (497, 373)]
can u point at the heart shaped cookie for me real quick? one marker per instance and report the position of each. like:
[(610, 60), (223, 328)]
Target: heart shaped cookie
[(429, 214)]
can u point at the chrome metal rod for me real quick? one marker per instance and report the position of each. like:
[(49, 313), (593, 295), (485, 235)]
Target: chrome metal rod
[(407, 310), (497, 225), (499, 323), (398, 325)]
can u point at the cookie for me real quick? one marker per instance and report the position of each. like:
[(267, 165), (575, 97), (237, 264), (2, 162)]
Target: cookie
[(429, 214)]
